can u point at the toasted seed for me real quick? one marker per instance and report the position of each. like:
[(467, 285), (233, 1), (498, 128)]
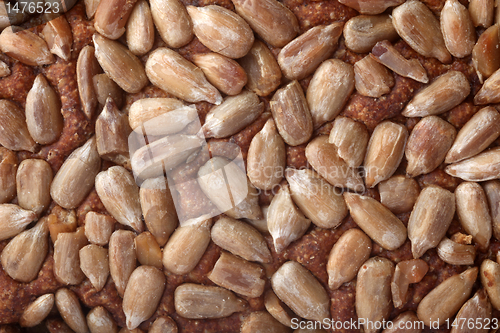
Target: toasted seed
[(94, 264), (418, 27), (284, 221), (111, 17), (490, 279), (482, 167), (61, 220), (57, 34), (278, 309), (492, 191), (373, 291), (186, 246), (362, 32), (4, 69), (266, 159), (91, 7), (140, 29), (234, 114), (406, 272), (120, 195), (489, 92), (98, 228), (86, 68), (457, 28), (37, 311), (308, 298), (481, 12), (25, 46), (350, 251), (477, 309), (104, 87), (240, 239), (13, 220), (382, 226), (399, 193), (291, 114), (66, 257), (122, 258), (261, 321), (371, 78), (23, 256), (33, 181), (75, 178), (486, 53), (324, 158), (329, 90), (351, 138), (384, 152), (428, 144), (148, 251), (300, 58), (195, 301), (317, 199), (447, 298), (223, 72), (172, 21), (142, 295), (163, 325), (171, 72), (100, 320), (270, 19), (14, 134), (446, 92), (386, 54), (407, 322), (8, 170), (239, 199), (430, 218), (69, 307), (371, 7), (455, 253)]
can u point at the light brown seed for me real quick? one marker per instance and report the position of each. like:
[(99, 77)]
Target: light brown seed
[(486, 53), (477, 134), (373, 291), (382, 226), (478, 310), (33, 181), (406, 272), (119, 194), (67, 258), (111, 17), (100, 320), (407, 322), (418, 27), (86, 68), (142, 295), (14, 134), (455, 253), (447, 298), (25, 46), (61, 220), (308, 298), (443, 94), (457, 28), (492, 191), (270, 19), (186, 246), (384, 152), (94, 264), (482, 12), (261, 321), (371, 78), (122, 258), (490, 279), (172, 73), (75, 178), (172, 21), (386, 54), (104, 87), (300, 58), (399, 193), (37, 311), (329, 90), (4, 69), (223, 72), (350, 251), (482, 167), (234, 114), (163, 325), (278, 309), (8, 170), (24, 255), (140, 29), (240, 239), (362, 32), (428, 144), (91, 7), (371, 7), (57, 34), (351, 138), (71, 311), (195, 301), (489, 92), (98, 228), (148, 251), (13, 219)]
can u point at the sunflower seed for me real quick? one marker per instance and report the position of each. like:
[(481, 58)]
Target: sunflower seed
[(25, 46), (111, 17), (66, 257), (14, 134), (140, 29), (71, 311), (172, 21), (406, 272), (362, 32), (455, 253), (94, 264), (122, 258), (458, 30), (8, 170), (37, 311)]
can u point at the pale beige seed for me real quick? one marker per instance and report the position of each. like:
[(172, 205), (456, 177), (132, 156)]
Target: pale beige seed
[(300, 58), (455, 253), (406, 272), (4, 69), (478, 310), (111, 17), (61, 220), (25, 46), (371, 7), (186, 246), (278, 309), (37, 311), (447, 298), (408, 321), (86, 68), (489, 92), (418, 27), (57, 33), (67, 258), (33, 181), (482, 167), (172, 21), (350, 251), (91, 7), (104, 87), (457, 28), (261, 321), (122, 258), (307, 298), (382, 226), (94, 264), (71, 311), (384, 152), (98, 228), (486, 53), (8, 170), (140, 29), (399, 193), (142, 295), (490, 279), (24, 255), (371, 78), (43, 112), (195, 301), (14, 134), (329, 90), (482, 12), (362, 32), (428, 144), (148, 251), (240, 239), (351, 139), (100, 320), (163, 325), (13, 220), (492, 191), (74, 180), (291, 113), (443, 94)]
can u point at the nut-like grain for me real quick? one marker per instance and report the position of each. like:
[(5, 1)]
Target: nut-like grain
[(148, 251), (172, 22), (455, 253), (4, 69), (33, 181), (351, 138), (457, 28), (399, 193), (482, 167), (67, 258), (14, 220), (362, 32), (71, 311), (492, 191), (122, 258), (8, 170), (486, 53), (490, 279), (98, 228), (482, 12), (61, 220), (489, 92), (140, 29), (477, 309), (86, 68), (37, 311), (57, 34), (104, 87), (278, 309), (100, 320), (371, 78), (25, 46), (94, 264), (406, 272), (14, 134), (111, 16)]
